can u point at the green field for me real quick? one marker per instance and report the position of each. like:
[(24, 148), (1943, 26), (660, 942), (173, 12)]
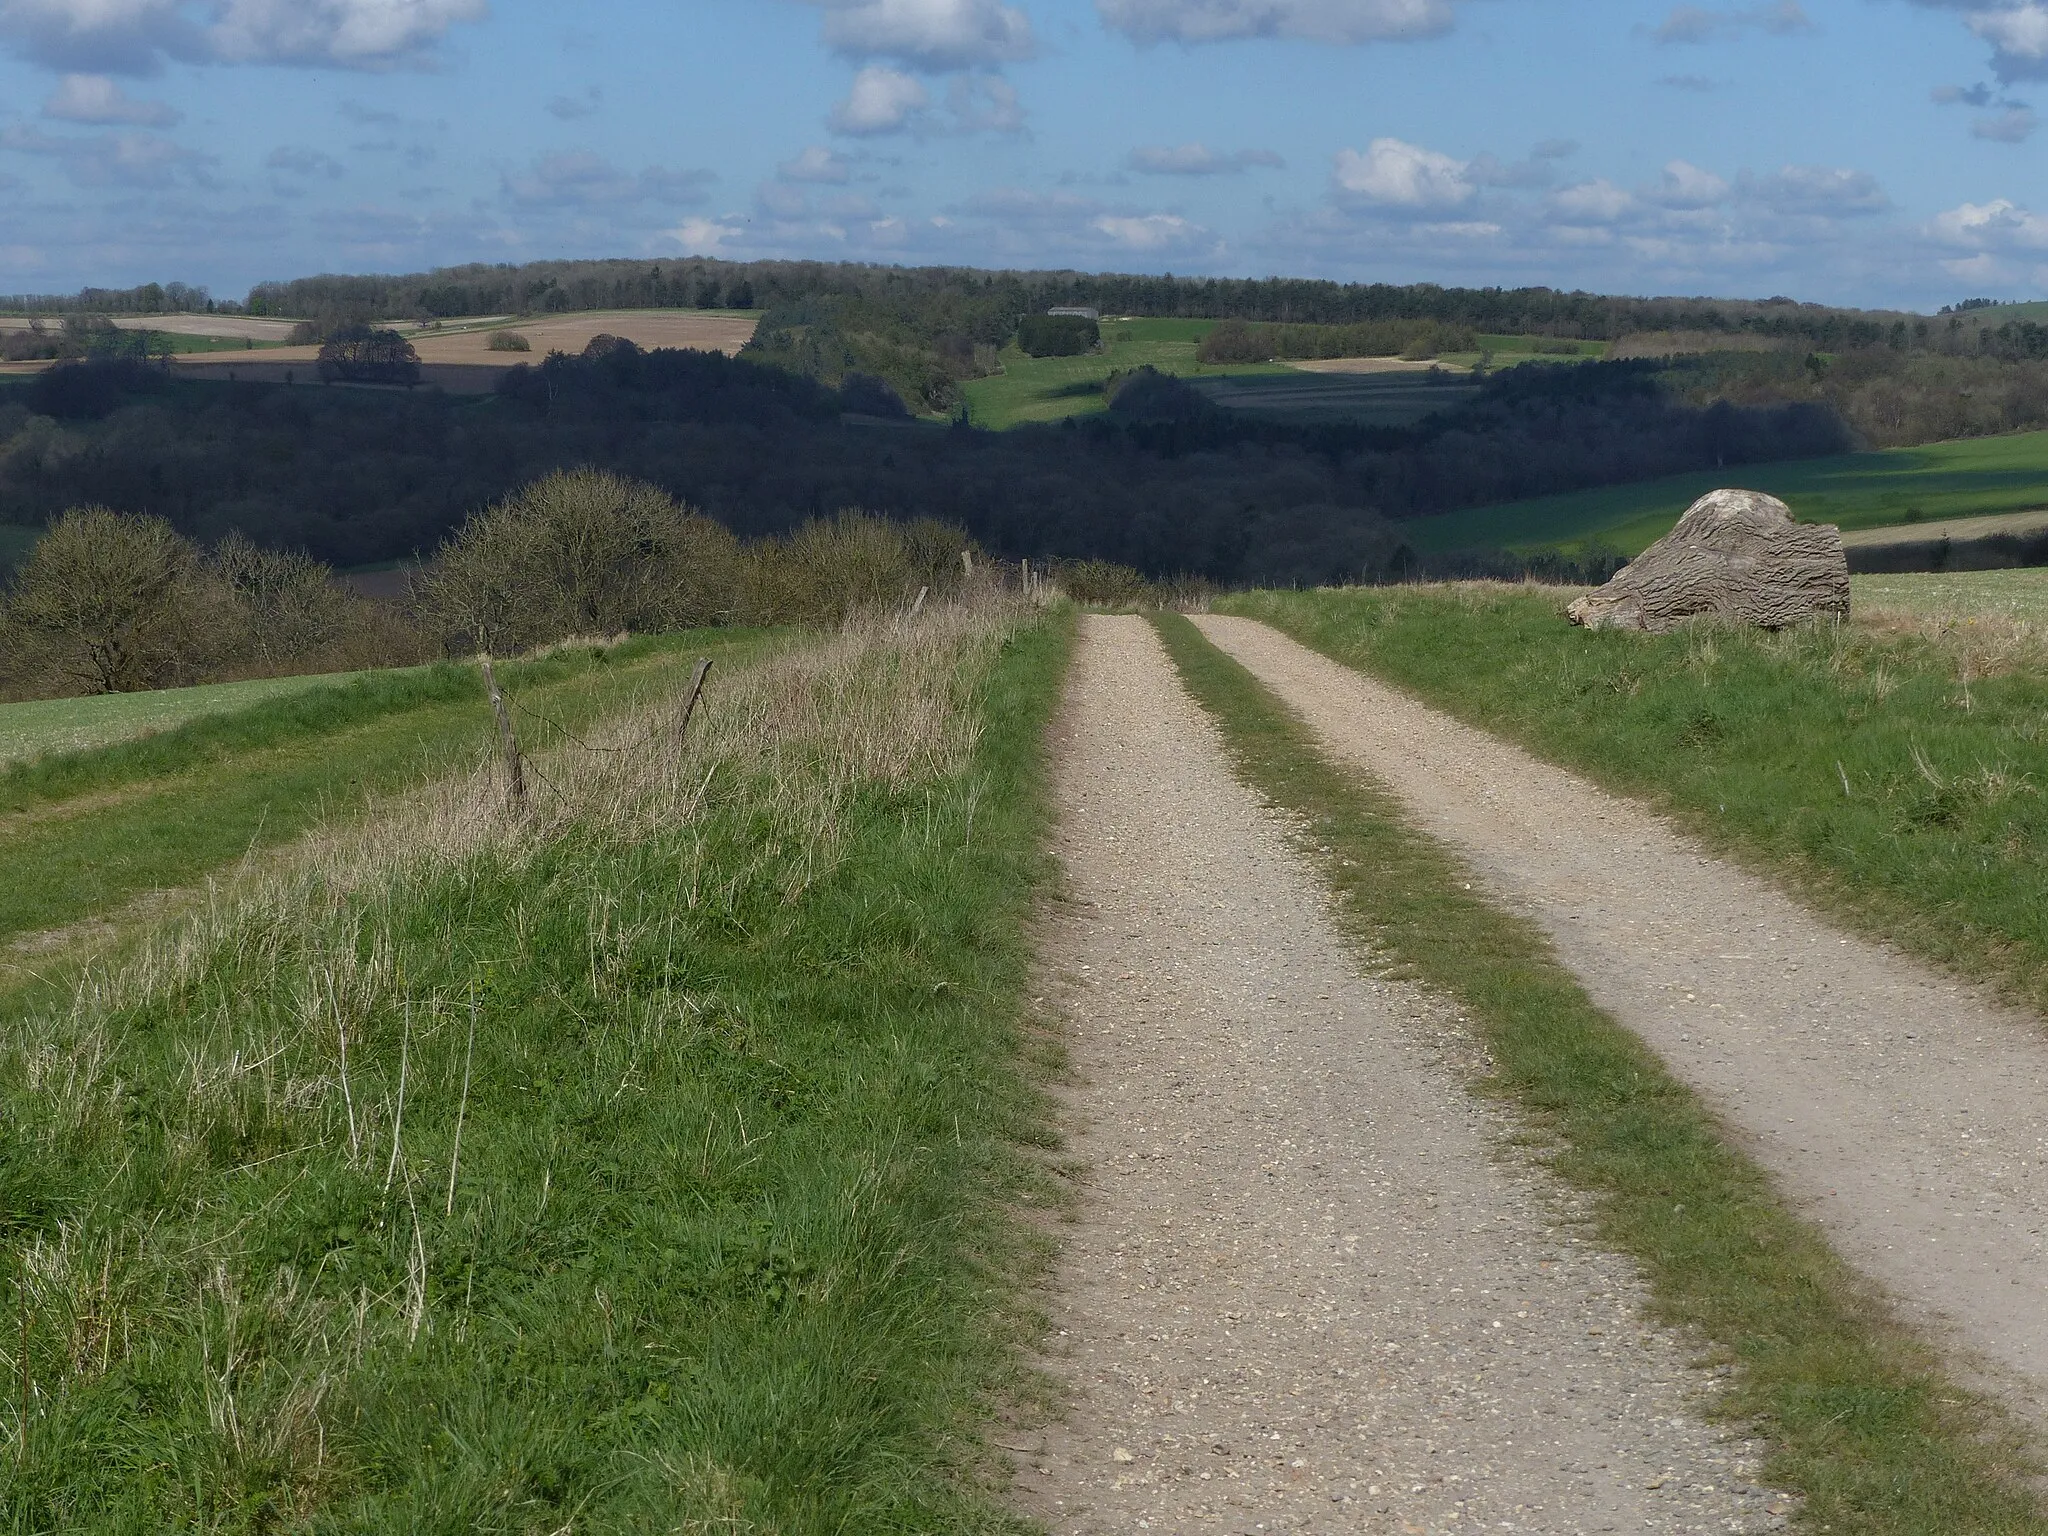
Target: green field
[(1037, 389), (1397, 399), (2021, 595), (1970, 478), (66, 725)]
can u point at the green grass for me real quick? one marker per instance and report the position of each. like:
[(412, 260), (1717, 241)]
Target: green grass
[(1857, 1414), (2021, 594), (83, 833), (45, 726), (1862, 767), (1040, 389), (1859, 490), (696, 1216)]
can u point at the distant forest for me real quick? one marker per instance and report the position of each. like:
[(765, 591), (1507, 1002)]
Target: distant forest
[(1163, 482)]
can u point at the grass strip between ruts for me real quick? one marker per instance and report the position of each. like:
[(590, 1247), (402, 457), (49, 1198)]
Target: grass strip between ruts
[(1858, 1413)]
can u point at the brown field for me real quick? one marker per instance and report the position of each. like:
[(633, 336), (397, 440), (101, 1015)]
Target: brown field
[(1361, 364), (1951, 528), (468, 342), (232, 327)]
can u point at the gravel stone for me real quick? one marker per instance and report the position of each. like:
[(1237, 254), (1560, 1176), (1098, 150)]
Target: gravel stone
[(1310, 1286), (1903, 1111)]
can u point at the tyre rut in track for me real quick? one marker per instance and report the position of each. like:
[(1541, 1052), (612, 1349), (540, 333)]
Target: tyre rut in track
[(1309, 1287), (1901, 1110)]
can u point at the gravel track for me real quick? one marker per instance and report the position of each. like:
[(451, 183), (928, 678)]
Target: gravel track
[(1309, 1288), (1903, 1111)]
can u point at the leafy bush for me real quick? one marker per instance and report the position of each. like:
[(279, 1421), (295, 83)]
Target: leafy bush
[(1057, 335), (833, 568), (508, 341), (1104, 582)]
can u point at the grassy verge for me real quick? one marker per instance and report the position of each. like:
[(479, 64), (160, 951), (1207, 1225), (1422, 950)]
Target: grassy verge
[(2020, 595), (163, 812), (1975, 477), (1859, 1417), (1893, 775), (639, 1164)]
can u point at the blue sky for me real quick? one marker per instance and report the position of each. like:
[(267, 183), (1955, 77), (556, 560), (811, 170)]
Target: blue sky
[(1877, 152)]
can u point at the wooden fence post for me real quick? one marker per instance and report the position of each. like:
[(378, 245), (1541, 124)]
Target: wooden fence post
[(696, 691), (918, 607), (515, 775)]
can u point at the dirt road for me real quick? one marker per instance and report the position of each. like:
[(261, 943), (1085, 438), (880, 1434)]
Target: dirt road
[(1307, 1291), (1905, 1113)]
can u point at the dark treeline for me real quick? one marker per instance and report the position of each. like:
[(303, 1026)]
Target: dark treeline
[(1162, 483), (706, 284), (148, 299)]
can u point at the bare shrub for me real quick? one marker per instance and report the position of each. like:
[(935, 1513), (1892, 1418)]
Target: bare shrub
[(575, 554), (831, 569), (508, 341)]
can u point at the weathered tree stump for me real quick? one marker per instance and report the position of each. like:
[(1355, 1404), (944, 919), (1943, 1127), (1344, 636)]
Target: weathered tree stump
[(1736, 556)]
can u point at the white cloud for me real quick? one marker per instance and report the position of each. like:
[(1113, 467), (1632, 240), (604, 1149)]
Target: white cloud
[(2015, 125), (818, 164), (1592, 202), (1321, 21), (930, 35), (578, 178), (1693, 24), (134, 37), (1821, 190), (1684, 185), (1198, 160), (296, 160), (108, 159), (2019, 39), (1147, 232), (706, 237), (96, 99), (1997, 225), (1397, 174), (984, 104), (569, 108), (882, 100)]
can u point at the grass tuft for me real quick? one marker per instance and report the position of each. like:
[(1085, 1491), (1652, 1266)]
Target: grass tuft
[(1859, 1416)]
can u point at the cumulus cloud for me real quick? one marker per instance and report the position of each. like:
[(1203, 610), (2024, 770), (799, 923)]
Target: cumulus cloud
[(1684, 185), (569, 108), (1321, 21), (109, 159), (1695, 24), (882, 100), (135, 37), (1199, 160), (1591, 202), (931, 35), (1961, 95), (1393, 173), (1819, 190), (96, 99), (580, 179), (817, 164), (1994, 226), (2015, 125), (1147, 232), (297, 160), (984, 104), (706, 237), (2019, 39)]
